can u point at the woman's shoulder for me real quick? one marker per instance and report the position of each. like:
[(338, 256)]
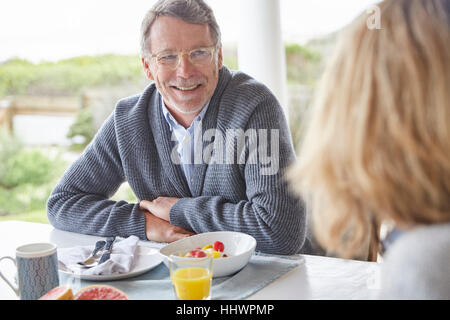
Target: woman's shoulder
[(416, 265)]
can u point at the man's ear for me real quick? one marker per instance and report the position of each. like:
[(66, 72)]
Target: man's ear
[(219, 59), (147, 70)]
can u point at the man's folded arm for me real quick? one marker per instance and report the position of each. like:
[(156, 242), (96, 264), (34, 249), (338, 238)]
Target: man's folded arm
[(278, 230), (80, 201)]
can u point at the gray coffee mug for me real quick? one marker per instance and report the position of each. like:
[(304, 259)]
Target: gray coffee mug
[(37, 270)]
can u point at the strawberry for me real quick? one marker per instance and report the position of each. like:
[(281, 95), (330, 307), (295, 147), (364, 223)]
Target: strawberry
[(219, 246)]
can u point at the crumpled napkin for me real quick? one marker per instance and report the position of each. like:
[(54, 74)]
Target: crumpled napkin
[(122, 257)]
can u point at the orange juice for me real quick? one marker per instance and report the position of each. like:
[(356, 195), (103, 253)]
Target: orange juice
[(192, 283)]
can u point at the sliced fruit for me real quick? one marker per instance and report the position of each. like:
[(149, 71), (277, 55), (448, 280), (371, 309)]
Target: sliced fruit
[(200, 254), (58, 293), (100, 292)]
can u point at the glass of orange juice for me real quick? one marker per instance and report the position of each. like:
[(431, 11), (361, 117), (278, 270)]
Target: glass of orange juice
[(191, 277)]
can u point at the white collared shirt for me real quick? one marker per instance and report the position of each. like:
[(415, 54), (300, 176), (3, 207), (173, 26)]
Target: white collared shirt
[(184, 140)]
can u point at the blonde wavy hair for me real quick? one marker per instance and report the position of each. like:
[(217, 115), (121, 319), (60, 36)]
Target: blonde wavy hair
[(378, 143)]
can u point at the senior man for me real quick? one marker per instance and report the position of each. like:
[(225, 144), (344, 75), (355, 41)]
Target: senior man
[(203, 148)]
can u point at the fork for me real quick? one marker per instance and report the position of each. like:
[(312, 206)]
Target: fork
[(107, 253), (90, 261)]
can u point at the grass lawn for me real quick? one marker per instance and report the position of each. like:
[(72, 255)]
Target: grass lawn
[(39, 216)]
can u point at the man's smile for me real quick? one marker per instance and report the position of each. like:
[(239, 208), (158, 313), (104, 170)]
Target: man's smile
[(191, 88)]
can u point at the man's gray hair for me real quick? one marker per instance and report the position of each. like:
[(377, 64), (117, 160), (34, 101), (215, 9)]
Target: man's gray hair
[(190, 11)]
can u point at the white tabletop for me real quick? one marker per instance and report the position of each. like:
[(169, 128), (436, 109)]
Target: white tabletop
[(318, 278)]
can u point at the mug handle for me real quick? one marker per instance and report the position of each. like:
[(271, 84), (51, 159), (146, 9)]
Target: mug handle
[(16, 290)]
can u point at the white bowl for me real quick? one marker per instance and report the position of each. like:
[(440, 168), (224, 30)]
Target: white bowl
[(239, 247)]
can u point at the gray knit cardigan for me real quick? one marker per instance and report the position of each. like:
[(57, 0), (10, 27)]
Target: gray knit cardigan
[(134, 145)]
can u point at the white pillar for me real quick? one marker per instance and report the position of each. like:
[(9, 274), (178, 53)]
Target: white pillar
[(260, 49)]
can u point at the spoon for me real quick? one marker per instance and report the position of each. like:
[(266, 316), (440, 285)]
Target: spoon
[(90, 261)]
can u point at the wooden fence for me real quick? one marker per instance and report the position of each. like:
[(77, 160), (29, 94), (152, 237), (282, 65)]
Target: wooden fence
[(37, 105)]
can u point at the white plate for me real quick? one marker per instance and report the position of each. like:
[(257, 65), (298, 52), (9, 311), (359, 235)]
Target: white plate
[(147, 259)]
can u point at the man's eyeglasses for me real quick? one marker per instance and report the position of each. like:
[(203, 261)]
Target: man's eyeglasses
[(198, 56)]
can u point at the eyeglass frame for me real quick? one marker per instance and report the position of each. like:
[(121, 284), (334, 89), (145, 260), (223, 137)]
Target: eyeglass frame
[(181, 53)]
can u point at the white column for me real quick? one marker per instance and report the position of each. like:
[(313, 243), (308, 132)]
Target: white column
[(260, 49)]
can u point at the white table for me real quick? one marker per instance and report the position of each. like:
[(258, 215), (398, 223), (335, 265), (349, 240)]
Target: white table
[(318, 278)]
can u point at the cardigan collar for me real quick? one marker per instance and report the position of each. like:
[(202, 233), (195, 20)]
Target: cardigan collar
[(162, 136)]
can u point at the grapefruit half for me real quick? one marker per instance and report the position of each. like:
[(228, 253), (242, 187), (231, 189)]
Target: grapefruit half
[(100, 292), (58, 293)]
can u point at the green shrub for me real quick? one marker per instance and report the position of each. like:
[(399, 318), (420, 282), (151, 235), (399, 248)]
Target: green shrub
[(27, 176), (304, 65), (69, 76), (27, 167), (82, 130)]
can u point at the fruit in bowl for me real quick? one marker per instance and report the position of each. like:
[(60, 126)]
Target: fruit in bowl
[(238, 248), (215, 251)]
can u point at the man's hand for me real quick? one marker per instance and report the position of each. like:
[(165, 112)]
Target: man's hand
[(162, 231), (160, 207)]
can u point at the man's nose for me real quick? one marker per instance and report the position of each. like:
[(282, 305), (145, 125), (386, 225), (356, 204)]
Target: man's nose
[(185, 66)]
